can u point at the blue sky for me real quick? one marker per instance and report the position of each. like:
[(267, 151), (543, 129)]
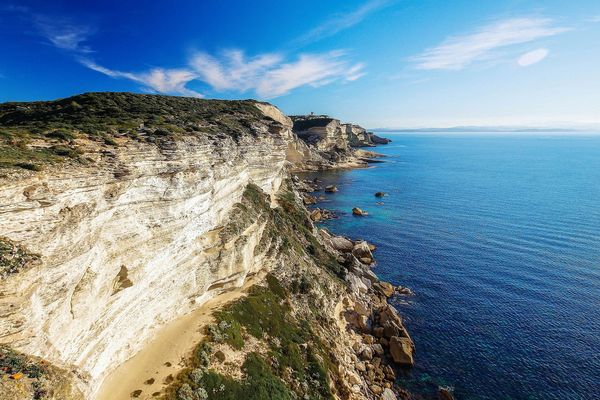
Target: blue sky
[(380, 63)]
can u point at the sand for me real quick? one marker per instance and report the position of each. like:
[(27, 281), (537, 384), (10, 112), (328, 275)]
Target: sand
[(164, 355)]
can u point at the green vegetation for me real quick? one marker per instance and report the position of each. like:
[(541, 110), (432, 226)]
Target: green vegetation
[(13, 258), (294, 362), (17, 365), (26, 129), (295, 365), (12, 362)]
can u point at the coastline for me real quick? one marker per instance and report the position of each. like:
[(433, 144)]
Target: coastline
[(363, 317)]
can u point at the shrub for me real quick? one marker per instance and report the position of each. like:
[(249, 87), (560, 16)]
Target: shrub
[(62, 135), (29, 166)]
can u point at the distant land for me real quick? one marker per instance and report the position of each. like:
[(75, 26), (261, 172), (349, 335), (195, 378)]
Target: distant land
[(586, 128)]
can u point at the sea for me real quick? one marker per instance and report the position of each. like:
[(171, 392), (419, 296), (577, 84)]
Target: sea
[(498, 235)]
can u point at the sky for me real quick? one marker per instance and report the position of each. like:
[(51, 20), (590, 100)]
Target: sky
[(379, 63)]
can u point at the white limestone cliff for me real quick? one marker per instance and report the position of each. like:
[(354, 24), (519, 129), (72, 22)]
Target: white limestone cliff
[(130, 243)]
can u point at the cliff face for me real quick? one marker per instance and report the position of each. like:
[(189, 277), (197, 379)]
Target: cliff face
[(129, 241), (122, 212)]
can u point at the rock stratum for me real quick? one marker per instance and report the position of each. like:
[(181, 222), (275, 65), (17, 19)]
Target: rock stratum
[(122, 212)]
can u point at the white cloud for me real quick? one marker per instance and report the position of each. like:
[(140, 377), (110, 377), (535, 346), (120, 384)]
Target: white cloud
[(532, 57), (267, 75), (457, 52), (63, 34), (341, 22), (161, 80), (233, 71)]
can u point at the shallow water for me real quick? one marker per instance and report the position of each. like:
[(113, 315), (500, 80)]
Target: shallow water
[(499, 237)]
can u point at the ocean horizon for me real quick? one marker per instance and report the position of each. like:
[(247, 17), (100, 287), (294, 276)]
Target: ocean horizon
[(499, 238)]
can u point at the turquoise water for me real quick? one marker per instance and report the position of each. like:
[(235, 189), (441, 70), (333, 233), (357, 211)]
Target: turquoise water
[(499, 237)]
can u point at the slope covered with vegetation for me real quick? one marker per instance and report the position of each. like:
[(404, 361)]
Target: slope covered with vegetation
[(36, 133)]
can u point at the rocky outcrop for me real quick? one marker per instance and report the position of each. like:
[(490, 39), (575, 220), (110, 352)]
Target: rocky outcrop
[(327, 143)]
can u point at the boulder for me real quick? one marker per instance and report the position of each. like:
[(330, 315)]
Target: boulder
[(379, 194), (342, 244), (358, 212), (390, 329), (308, 199), (388, 395), (360, 366), (401, 349), (353, 378), (361, 309), (366, 354), (370, 275), (362, 251), (385, 288), (331, 189), (356, 284), (378, 349), (316, 215), (376, 389), (389, 313)]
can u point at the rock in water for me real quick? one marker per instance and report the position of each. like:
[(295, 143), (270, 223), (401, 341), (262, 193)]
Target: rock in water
[(385, 288), (446, 393), (379, 194), (401, 349), (331, 189), (359, 212), (316, 215)]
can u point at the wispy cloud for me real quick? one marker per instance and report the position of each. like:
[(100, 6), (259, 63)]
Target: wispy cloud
[(233, 70), (267, 75), (532, 57), (161, 80), (63, 34), (340, 22), (58, 31), (458, 52), (595, 18)]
